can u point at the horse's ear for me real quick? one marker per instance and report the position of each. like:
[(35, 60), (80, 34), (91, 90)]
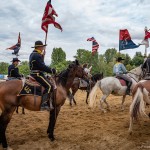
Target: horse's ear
[(90, 68), (76, 62)]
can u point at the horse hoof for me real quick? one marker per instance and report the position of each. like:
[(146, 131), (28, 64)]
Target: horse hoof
[(8, 148), (130, 132), (51, 138)]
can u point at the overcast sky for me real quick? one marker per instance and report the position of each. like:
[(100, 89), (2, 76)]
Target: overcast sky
[(80, 19)]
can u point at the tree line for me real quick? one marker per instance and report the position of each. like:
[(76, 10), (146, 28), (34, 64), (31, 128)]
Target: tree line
[(100, 63)]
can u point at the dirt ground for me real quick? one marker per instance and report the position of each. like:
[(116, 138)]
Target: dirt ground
[(80, 128)]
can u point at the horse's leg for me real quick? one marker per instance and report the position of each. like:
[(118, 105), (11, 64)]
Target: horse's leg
[(103, 99), (122, 104), (74, 90), (23, 112), (52, 121), (131, 125), (70, 97), (4, 120), (87, 95), (73, 93), (107, 105), (17, 109)]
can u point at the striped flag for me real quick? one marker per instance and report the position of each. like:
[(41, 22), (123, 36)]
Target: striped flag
[(48, 17), (16, 47), (95, 45)]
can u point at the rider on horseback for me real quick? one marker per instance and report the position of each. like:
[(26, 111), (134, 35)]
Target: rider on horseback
[(13, 71), (120, 71), (38, 67)]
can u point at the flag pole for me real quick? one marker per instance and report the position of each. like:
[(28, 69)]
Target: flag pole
[(45, 43), (145, 45), (119, 42)]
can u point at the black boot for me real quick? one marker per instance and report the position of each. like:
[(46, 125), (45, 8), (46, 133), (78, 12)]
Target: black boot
[(45, 105), (128, 88)]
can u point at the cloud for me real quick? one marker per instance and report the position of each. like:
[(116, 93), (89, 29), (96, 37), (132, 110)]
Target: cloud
[(79, 19)]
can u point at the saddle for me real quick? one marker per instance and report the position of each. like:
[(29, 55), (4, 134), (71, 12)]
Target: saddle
[(122, 81), (31, 87), (83, 83)]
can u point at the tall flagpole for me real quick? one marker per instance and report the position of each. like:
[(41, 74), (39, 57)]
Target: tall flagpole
[(119, 42), (45, 43), (145, 45)]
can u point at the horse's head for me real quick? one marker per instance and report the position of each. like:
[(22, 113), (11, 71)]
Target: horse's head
[(77, 69)]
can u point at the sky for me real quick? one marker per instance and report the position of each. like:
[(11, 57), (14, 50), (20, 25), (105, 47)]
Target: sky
[(80, 19)]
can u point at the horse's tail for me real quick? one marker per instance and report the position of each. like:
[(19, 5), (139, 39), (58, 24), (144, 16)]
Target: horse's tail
[(137, 108), (93, 94)]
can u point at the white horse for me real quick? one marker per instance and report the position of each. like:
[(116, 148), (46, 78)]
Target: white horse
[(140, 99), (112, 85)]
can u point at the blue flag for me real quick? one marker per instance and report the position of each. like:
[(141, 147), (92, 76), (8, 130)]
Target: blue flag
[(125, 41)]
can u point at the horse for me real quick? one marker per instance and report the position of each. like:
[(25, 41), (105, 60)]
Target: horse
[(76, 85), (112, 85), (9, 99), (139, 100)]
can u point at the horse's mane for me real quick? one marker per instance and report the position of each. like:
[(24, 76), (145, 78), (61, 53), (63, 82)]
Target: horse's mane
[(97, 77), (135, 69), (62, 77)]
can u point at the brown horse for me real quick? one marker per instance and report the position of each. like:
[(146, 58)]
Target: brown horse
[(76, 85), (9, 99)]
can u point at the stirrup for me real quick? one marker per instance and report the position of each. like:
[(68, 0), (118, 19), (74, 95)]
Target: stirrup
[(44, 106)]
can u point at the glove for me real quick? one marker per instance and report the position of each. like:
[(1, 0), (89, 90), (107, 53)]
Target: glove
[(53, 71)]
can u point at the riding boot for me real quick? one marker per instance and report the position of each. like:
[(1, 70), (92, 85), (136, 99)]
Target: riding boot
[(128, 88), (46, 102)]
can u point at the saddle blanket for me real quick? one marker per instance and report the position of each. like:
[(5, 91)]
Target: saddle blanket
[(83, 83), (30, 89)]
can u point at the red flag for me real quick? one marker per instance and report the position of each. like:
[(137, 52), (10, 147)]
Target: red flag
[(95, 45), (48, 17), (147, 34), (124, 35)]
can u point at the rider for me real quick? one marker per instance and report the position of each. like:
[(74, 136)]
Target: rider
[(38, 67), (146, 66), (13, 71), (120, 71)]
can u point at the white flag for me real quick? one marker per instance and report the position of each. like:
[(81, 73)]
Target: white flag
[(145, 42)]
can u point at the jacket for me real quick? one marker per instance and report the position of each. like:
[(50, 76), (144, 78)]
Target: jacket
[(36, 62), (119, 68), (13, 71)]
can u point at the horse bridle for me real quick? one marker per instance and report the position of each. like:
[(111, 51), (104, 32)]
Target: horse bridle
[(136, 75)]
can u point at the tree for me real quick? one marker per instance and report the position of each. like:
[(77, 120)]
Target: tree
[(24, 68), (138, 59), (84, 56), (58, 56), (4, 68), (110, 54)]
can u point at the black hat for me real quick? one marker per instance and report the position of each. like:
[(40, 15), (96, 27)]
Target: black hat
[(15, 59), (119, 59), (38, 44)]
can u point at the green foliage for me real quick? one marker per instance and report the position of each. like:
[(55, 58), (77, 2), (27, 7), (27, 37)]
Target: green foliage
[(58, 56), (4, 68), (24, 68), (84, 56), (137, 59), (110, 54)]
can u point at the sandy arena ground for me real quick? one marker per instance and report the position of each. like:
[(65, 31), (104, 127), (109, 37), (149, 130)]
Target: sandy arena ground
[(79, 128)]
